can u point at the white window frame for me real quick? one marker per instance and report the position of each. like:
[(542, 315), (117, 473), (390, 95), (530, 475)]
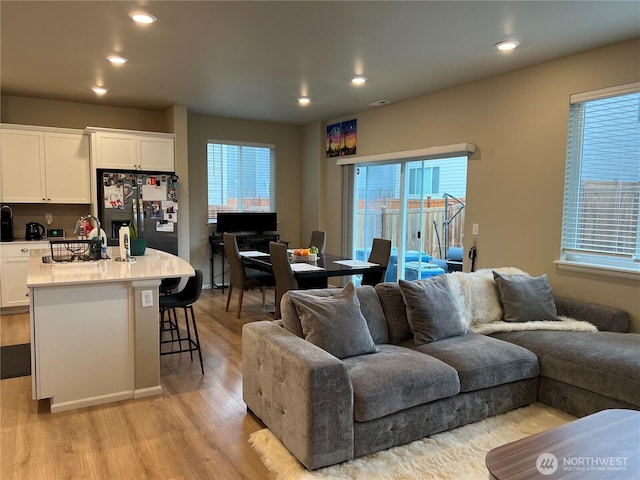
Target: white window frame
[(240, 208), (575, 254)]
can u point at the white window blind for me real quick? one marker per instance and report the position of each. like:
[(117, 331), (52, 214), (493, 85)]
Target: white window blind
[(240, 178), (602, 185)]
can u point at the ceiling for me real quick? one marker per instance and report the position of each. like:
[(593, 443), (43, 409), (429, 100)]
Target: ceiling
[(251, 60)]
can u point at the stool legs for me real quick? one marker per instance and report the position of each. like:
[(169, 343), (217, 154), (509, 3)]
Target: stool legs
[(170, 324), (192, 343)]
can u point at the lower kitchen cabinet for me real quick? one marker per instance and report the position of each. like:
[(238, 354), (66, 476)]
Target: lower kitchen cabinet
[(14, 264)]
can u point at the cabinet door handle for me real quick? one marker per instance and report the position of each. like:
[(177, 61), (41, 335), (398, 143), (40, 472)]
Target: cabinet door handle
[(24, 250)]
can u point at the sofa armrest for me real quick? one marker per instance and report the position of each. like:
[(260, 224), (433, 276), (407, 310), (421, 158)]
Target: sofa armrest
[(608, 319), (302, 393)]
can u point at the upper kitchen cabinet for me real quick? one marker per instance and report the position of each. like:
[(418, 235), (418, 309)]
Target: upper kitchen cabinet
[(132, 150), (44, 165)]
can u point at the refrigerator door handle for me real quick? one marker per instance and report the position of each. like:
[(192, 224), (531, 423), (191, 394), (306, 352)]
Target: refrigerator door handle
[(134, 204), (141, 216)]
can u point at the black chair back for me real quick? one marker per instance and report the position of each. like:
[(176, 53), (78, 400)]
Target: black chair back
[(237, 275), (192, 290), (285, 279), (318, 239), (380, 254)]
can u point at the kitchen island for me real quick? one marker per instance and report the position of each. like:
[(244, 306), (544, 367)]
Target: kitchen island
[(94, 327)]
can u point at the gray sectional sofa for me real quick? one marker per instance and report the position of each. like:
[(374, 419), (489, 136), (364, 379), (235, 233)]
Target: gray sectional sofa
[(351, 372)]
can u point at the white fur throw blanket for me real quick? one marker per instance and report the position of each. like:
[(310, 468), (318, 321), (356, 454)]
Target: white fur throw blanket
[(478, 302), (564, 323)]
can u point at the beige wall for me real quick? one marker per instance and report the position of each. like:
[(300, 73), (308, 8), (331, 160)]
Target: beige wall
[(176, 118), (518, 122), (312, 202), (286, 138), (54, 113)]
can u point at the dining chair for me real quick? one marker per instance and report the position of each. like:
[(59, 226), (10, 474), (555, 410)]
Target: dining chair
[(318, 239), (380, 254), (285, 279), (238, 275)]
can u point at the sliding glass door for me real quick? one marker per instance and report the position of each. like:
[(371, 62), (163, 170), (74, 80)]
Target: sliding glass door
[(418, 205)]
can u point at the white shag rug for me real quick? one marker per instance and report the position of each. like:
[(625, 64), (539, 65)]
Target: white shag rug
[(457, 454)]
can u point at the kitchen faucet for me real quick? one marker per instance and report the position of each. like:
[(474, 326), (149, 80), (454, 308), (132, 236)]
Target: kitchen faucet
[(82, 221), (99, 233)]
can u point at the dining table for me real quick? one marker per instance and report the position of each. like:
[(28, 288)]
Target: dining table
[(316, 273)]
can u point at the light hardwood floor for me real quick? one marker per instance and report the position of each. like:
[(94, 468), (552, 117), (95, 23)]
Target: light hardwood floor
[(197, 429)]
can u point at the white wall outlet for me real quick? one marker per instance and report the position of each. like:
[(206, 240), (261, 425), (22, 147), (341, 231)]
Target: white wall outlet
[(48, 218), (474, 229), (147, 298)]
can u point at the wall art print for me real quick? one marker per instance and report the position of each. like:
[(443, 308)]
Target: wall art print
[(348, 137), (333, 140)]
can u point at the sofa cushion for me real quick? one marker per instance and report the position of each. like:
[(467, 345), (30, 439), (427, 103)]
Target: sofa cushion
[(369, 305), (334, 323), (481, 361), (607, 363), (395, 311), (397, 378), (431, 309), (525, 298)]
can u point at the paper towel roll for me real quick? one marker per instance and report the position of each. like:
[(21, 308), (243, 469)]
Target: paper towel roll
[(125, 251)]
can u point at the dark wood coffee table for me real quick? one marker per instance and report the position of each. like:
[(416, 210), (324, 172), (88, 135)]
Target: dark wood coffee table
[(605, 445)]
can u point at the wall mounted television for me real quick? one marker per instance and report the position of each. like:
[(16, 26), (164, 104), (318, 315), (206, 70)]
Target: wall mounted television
[(247, 222)]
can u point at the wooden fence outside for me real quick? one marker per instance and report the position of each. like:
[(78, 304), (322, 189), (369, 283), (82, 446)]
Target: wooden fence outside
[(609, 217), (385, 222)]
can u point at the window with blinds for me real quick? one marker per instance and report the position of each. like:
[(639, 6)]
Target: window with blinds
[(240, 178), (602, 185)]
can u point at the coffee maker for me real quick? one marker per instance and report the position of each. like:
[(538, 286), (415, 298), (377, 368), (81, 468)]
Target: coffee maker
[(6, 227)]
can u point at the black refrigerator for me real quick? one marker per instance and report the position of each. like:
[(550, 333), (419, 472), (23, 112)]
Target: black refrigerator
[(148, 199)]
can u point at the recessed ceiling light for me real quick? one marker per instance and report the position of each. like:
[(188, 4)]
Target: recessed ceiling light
[(507, 45), (117, 59), (304, 100), (143, 17), (99, 90), (359, 80)]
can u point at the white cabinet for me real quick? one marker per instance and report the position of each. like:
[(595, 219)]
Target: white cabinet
[(43, 165), (14, 264), (156, 153), (22, 166), (128, 150), (67, 167)]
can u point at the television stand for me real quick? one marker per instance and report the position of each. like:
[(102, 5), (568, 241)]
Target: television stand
[(246, 241)]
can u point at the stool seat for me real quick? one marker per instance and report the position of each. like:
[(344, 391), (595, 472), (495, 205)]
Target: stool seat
[(167, 285), (184, 299)]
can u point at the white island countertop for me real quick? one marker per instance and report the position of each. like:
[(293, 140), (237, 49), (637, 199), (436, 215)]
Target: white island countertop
[(94, 327), (154, 264)]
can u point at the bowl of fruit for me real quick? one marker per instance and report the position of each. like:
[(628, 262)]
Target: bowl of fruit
[(305, 254)]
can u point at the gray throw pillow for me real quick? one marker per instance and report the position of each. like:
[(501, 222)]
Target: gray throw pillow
[(335, 324), (525, 298), (431, 309)]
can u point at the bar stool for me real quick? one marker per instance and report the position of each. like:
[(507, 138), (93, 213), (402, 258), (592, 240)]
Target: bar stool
[(183, 299), (167, 285)]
